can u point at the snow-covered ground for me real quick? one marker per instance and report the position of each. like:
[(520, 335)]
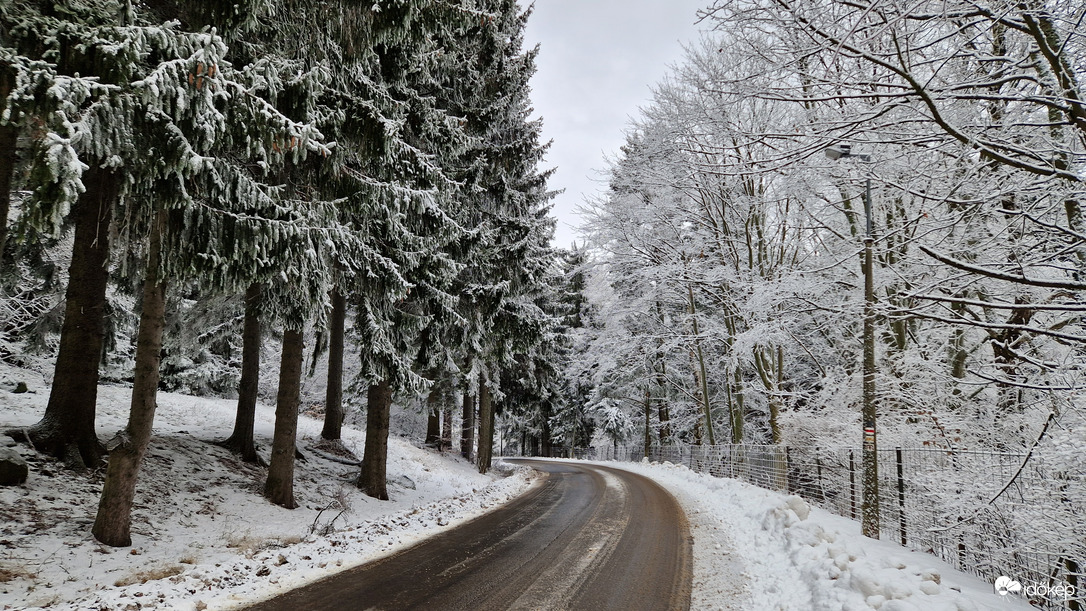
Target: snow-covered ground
[(203, 536), (760, 550)]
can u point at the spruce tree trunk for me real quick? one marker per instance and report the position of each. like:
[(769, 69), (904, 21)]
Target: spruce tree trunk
[(433, 417), (66, 431), (279, 488), (372, 479), (241, 440), (114, 519), (333, 398), (467, 426), (544, 441), (8, 136), (446, 424), (486, 427)]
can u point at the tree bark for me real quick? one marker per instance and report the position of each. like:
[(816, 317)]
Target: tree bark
[(663, 414), (279, 488), (333, 398), (769, 370), (66, 431), (114, 519), (446, 424), (648, 413), (486, 427), (241, 440), (702, 379), (467, 426), (544, 440), (9, 135), (372, 479), (433, 417), (738, 406)]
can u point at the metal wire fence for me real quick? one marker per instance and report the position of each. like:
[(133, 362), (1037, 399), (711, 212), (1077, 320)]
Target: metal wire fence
[(989, 513)]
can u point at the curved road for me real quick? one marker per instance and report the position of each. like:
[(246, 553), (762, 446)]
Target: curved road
[(589, 537)]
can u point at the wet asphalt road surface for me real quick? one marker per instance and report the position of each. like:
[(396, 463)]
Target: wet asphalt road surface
[(589, 537)]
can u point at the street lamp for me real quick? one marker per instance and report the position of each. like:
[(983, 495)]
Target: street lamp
[(870, 478)]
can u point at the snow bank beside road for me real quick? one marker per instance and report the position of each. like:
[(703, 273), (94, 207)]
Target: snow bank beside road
[(757, 549), (272, 571), (203, 535)]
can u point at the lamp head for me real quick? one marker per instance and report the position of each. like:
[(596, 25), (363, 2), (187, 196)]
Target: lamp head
[(838, 152)]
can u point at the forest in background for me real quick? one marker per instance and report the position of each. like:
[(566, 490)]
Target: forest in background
[(725, 283)]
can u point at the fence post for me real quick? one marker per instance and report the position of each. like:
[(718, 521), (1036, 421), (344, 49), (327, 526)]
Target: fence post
[(901, 493), (852, 481), (787, 468), (1073, 570), (780, 471)]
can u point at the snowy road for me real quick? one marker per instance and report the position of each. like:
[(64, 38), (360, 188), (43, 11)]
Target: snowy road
[(589, 537)]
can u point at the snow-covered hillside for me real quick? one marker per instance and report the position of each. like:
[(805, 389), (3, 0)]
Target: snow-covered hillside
[(204, 537)]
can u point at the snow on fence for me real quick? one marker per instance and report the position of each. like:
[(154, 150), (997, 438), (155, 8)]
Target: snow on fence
[(989, 513)]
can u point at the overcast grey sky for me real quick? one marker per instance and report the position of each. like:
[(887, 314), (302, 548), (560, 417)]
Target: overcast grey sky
[(598, 60)]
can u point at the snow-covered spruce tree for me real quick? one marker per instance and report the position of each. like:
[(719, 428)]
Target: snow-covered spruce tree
[(533, 388), (312, 45), (54, 81), (341, 49), (342, 86), (504, 202), (305, 275), (291, 46), (570, 422), (520, 329), (67, 107), (401, 209), (197, 211)]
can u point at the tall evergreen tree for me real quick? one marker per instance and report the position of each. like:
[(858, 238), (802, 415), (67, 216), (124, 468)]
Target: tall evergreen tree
[(189, 205), (50, 77), (508, 251), (399, 206)]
